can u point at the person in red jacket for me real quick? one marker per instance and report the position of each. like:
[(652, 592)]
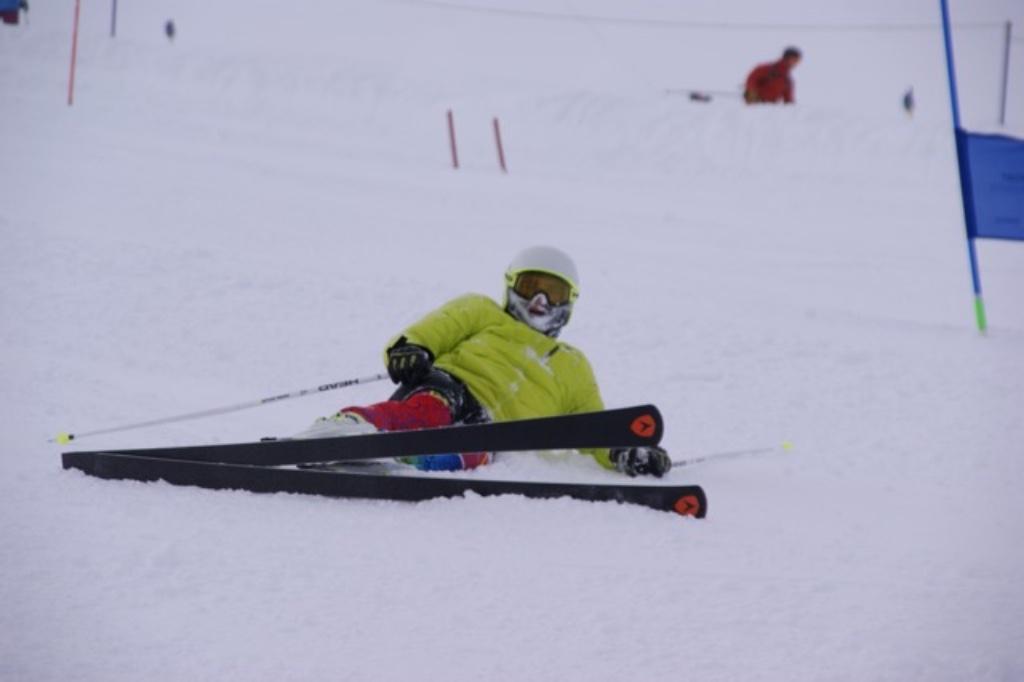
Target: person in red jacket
[(771, 82)]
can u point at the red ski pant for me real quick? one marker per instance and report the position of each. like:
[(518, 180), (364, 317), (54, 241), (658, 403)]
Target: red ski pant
[(418, 411)]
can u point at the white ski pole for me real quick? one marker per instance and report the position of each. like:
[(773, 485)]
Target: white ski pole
[(786, 446), (64, 438)]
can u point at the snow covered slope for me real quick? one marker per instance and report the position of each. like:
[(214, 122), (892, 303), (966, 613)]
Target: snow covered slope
[(258, 205)]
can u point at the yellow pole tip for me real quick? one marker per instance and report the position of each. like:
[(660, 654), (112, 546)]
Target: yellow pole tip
[(64, 438), (787, 445)]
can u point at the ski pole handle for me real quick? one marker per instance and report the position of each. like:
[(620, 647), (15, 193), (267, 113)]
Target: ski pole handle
[(64, 438)]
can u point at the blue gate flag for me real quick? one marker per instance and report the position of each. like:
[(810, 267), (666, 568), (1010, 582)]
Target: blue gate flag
[(992, 177)]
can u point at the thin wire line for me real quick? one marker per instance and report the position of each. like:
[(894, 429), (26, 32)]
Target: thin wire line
[(673, 23)]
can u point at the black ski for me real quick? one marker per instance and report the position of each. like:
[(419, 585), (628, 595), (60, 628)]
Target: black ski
[(640, 425), (688, 500)]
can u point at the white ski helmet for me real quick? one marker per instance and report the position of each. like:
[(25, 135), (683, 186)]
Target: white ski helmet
[(541, 286)]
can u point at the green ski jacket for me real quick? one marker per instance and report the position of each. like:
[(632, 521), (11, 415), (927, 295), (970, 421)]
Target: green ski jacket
[(513, 371)]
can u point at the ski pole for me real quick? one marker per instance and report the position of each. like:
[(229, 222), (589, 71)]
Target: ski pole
[(785, 446), (64, 438), (699, 94)]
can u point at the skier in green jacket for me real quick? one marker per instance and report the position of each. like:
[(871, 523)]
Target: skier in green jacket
[(473, 361)]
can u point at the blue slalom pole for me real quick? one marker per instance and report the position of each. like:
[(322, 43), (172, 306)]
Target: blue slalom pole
[(963, 166)]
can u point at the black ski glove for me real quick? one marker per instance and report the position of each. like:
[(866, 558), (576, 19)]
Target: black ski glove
[(641, 460), (407, 362)]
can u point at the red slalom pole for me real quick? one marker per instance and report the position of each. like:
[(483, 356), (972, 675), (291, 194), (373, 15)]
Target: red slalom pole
[(451, 139), (501, 150), (74, 53)]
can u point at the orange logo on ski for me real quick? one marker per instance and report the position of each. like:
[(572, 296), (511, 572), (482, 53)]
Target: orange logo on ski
[(644, 426), (687, 505)]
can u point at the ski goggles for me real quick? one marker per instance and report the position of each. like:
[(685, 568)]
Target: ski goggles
[(529, 283)]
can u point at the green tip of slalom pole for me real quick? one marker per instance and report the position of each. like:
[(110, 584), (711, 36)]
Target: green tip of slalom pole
[(63, 438), (787, 445), (979, 314)]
